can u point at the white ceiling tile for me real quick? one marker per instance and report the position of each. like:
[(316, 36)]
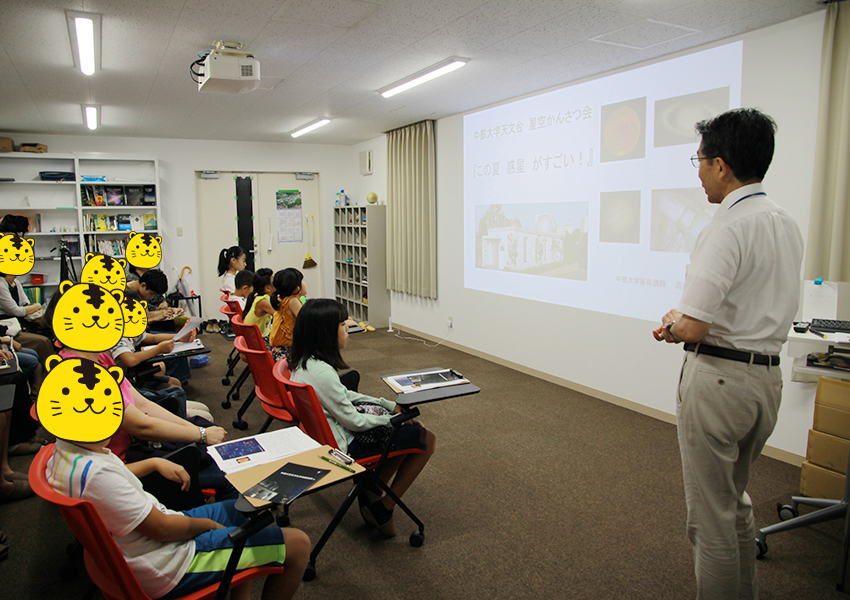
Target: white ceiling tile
[(336, 13)]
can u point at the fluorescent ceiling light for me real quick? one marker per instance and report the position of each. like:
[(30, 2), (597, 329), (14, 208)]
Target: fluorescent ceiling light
[(432, 72), (310, 127), (91, 115), (84, 31)]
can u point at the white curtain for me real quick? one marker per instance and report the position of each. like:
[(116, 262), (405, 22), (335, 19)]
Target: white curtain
[(828, 252), (412, 210)]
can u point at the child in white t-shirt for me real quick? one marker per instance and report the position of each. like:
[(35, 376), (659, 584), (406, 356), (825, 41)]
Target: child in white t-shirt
[(171, 552)]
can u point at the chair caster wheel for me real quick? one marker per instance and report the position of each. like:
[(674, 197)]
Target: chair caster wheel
[(761, 547), (235, 397), (225, 404), (309, 573), (417, 538), (240, 424), (786, 512), (282, 520), (225, 381)]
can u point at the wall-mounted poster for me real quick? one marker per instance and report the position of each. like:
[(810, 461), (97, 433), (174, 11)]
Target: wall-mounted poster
[(290, 227)]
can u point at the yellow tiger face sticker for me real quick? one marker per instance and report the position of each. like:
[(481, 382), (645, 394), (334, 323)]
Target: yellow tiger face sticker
[(16, 254), (144, 251), (105, 271), (87, 317), (135, 317), (79, 400)]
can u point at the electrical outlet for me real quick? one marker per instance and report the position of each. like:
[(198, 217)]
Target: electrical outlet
[(450, 323)]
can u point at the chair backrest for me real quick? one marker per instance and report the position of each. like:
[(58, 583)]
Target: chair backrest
[(233, 305), (266, 386), (311, 417), (251, 333), (113, 576)]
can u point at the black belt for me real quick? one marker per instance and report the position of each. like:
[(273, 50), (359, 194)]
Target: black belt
[(737, 355)]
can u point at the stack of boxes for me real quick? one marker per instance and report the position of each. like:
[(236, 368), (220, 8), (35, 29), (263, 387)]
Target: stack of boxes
[(825, 468)]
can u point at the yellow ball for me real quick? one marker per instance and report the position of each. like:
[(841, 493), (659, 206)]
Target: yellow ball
[(371, 197)]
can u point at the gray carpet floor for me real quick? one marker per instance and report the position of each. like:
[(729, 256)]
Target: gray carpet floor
[(535, 491)]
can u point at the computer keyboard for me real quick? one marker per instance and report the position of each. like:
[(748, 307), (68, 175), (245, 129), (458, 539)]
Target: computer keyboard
[(830, 325)]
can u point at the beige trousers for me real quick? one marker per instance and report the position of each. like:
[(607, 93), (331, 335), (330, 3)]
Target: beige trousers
[(726, 411)]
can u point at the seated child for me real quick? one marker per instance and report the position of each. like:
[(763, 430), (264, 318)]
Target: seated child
[(129, 352), (258, 310), (243, 283), (171, 553), (152, 286), (289, 287), (321, 331)]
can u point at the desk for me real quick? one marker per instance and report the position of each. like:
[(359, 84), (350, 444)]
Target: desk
[(800, 345), (245, 480)]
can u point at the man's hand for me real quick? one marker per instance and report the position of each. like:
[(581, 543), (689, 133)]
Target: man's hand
[(173, 472), (686, 329), (6, 355)]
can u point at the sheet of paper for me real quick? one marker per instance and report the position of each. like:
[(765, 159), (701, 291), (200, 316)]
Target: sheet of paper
[(417, 382), (191, 324), (184, 346), (820, 301), (842, 338), (260, 449)]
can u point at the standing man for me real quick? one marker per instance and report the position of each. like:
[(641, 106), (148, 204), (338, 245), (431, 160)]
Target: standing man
[(740, 296)]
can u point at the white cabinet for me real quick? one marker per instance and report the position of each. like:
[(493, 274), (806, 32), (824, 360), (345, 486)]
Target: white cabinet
[(360, 262), (66, 211)]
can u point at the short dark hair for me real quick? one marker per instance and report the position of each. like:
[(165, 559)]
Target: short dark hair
[(743, 138), (316, 334), (155, 280), (243, 278)]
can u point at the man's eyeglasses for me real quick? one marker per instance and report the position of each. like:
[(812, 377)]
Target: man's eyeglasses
[(696, 158)]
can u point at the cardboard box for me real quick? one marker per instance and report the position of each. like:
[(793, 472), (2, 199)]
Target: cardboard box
[(828, 451), (37, 148), (6, 144), (831, 420), (834, 392), (817, 482)]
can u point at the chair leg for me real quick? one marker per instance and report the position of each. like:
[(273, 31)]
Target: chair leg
[(233, 394), (400, 503), (310, 571), (265, 426), (238, 423)]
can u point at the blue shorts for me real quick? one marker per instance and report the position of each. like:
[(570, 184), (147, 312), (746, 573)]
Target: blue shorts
[(27, 360), (213, 548)]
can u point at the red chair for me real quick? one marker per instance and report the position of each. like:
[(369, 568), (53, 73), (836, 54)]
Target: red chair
[(274, 397), (104, 562), (255, 341), (314, 423)]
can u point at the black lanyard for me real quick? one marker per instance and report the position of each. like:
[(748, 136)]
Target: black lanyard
[(748, 196)]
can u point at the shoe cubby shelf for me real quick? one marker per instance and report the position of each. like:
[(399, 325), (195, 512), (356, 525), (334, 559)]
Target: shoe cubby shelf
[(360, 264)]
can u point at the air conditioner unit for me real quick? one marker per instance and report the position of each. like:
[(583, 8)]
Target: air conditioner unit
[(228, 74)]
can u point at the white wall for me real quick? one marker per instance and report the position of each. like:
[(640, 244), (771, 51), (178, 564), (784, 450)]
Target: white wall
[(612, 355), (178, 161)]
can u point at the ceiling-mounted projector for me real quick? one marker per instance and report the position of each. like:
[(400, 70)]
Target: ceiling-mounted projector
[(226, 70)]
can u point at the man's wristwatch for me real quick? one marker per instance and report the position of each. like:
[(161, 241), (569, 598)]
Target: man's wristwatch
[(203, 431), (670, 330)]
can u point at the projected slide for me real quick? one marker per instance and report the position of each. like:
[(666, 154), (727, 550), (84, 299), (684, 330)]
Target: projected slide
[(585, 196)]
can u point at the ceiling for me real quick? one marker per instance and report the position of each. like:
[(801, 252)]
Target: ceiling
[(327, 58)]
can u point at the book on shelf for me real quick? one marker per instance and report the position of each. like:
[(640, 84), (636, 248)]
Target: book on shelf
[(124, 223), (149, 198), (137, 222), (100, 223), (114, 196), (99, 196), (150, 221), (134, 195)]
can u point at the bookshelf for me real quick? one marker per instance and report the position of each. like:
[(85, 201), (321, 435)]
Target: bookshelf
[(360, 264), (67, 211)]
